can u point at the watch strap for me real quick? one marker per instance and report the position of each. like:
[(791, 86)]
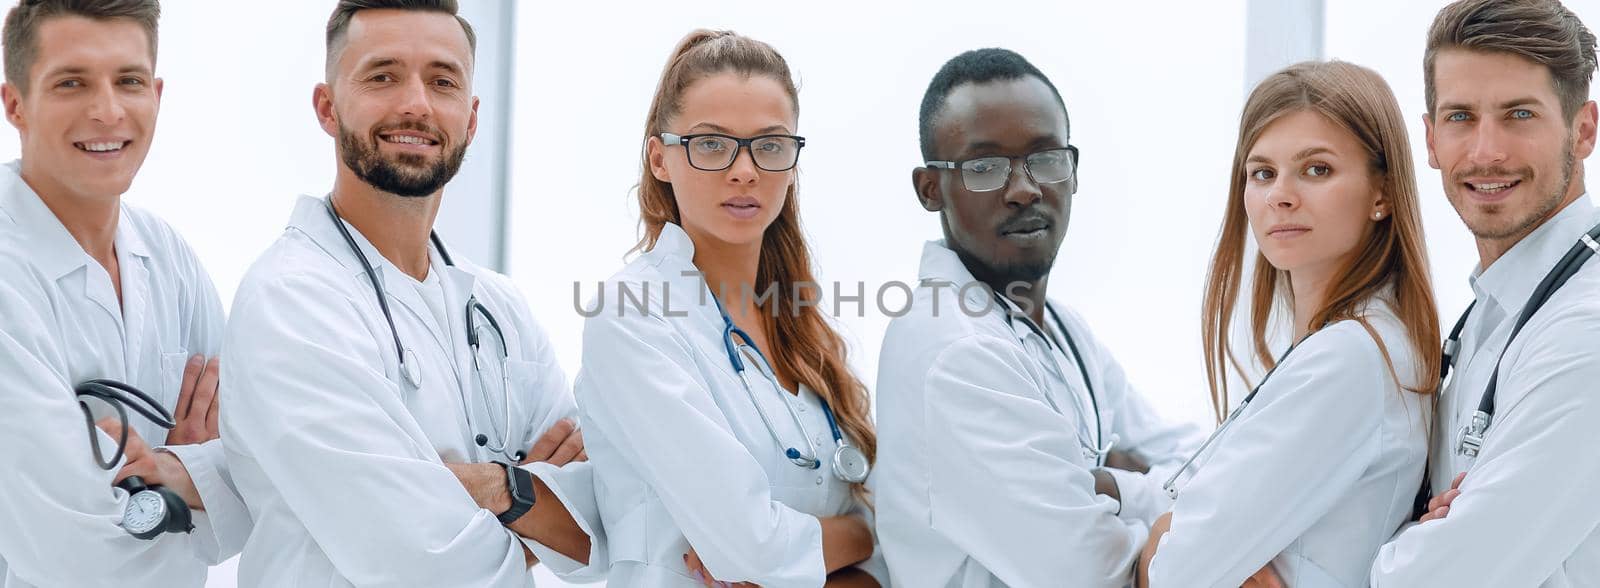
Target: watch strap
[(519, 483)]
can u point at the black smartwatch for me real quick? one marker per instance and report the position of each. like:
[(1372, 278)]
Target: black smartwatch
[(520, 485)]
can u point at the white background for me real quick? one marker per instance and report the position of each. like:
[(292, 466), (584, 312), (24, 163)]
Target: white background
[(1153, 89)]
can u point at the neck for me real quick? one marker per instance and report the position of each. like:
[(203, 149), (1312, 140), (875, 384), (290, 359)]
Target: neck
[(91, 220), (730, 271), (1491, 250), (397, 226), (1310, 291), (1029, 295)]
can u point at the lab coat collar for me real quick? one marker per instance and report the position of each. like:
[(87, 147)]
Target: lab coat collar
[(673, 257), (55, 252), (941, 265), (311, 217), (1511, 279)]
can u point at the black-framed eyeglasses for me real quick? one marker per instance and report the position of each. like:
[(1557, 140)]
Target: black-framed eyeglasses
[(987, 174), (716, 151)]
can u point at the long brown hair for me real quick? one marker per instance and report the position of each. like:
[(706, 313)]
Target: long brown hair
[(814, 354), (1358, 100)]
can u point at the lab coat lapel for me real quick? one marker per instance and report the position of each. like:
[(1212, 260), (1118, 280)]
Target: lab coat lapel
[(133, 259)]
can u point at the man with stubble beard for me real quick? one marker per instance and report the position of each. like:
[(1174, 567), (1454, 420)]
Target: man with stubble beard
[(396, 415)]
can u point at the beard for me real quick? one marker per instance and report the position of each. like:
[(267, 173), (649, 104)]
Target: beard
[(1543, 208), (406, 175)]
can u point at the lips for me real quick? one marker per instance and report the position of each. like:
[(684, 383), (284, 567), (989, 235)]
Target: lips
[(1026, 225), (1286, 230), (742, 207), (102, 145), (1491, 189)]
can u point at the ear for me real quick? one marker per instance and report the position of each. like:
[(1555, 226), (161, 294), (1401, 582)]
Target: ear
[(1583, 126), (1427, 125), (322, 103), (655, 156), (1381, 204), (13, 100), (472, 121), (926, 183)]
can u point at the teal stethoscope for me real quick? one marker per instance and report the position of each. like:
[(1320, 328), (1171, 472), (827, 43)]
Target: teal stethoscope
[(849, 463), (413, 371)]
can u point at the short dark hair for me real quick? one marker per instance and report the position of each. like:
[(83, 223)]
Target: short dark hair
[(973, 67), (339, 21), (21, 43), (1541, 31)]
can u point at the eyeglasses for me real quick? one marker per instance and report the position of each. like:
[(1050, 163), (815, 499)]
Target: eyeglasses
[(987, 174), (716, 151)]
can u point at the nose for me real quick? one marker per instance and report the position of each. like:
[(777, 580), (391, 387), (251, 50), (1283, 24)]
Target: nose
[(107, 108), (1283, 194), (1021, 190), (743, 170), (414, 102), (1488, 148)]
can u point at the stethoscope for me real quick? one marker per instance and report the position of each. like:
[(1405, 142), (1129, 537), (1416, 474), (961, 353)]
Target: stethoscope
[(171, 513), (1171, 485), (1471, 436), (849, 463), (1095, 451), (413, 371)]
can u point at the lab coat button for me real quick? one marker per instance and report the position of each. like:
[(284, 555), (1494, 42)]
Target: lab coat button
[(819, 480)]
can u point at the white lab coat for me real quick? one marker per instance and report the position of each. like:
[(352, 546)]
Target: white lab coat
[(60, 325), (340, 459), (681, 456), (982, 479), (1527, 515), (1315, 474)]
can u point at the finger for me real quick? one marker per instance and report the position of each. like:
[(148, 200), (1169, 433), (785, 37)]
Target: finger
[(144, 468), (582, 456), (205, 391), (191, 373), (1449, 497), (550, 440), (214, 412), (569, 449), (111, 426), (1456, 483)]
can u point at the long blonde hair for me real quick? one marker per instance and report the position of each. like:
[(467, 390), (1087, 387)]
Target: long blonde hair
[(814, 354), (1358, 100)]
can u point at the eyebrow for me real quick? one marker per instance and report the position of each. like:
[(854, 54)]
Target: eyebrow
[(1303, 154), (1507, 105), (381, 62), (75, 70), (716, 128)]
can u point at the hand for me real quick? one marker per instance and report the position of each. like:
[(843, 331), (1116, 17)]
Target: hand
[(1159, 528), (1439, 506), (486, 483), (1127, 461), (196, 413), (157, 468), (698, 570), (560, 445), (1266, 578)]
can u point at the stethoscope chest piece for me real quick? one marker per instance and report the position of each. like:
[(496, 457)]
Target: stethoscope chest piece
[(850, 464), (411, 368)]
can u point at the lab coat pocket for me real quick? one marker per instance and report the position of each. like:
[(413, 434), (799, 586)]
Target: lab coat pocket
[(171, 383)]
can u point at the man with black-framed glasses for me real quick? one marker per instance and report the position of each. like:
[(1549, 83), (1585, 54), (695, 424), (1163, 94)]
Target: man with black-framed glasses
[(1012, 448)]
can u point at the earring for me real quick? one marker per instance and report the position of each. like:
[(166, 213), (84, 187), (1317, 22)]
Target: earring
[(1377, 215)]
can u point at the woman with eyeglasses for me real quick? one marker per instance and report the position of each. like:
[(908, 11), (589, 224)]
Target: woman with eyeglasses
[(729, 438), (1319, 465)]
